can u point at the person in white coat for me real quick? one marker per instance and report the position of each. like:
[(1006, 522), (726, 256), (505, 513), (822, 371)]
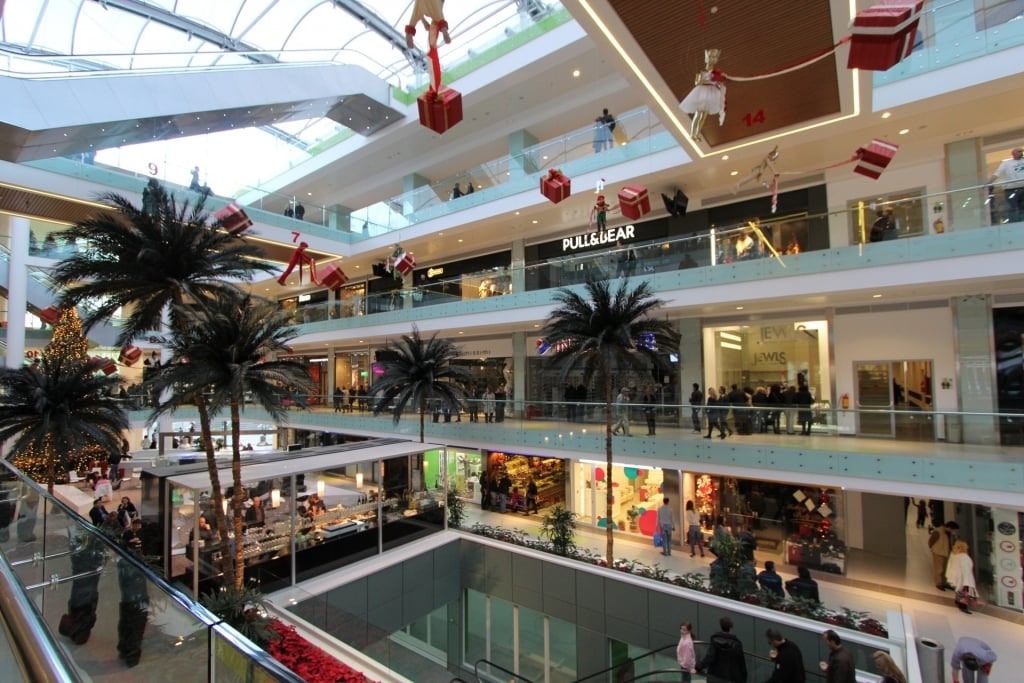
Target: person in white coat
[(960, 575)]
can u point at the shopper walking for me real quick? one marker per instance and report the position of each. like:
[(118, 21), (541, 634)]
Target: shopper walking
[(666, 523), (941, 544), (714, 411), (650, 413), (685, 654), (887, 668), (724, 661), (960, 575), (696, 405), (840, 667), (622, 412), (787, 660), (693, 535)]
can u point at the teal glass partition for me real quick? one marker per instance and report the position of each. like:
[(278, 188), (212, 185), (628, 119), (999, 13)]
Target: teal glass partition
[(106, 608)]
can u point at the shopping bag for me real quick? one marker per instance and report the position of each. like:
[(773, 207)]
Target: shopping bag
[(658, 540)]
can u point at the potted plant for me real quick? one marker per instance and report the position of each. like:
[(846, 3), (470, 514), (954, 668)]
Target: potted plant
[(456, 509), (633, 513), (559, 527)]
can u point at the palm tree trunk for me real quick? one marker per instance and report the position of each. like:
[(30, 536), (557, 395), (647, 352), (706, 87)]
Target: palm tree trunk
[(609, 491), (216, 492), (239, 498), (423, 419)]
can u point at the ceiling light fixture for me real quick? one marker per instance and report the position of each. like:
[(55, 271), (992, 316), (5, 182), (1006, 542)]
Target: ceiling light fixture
[(575, 73), (734, 173), (904, 131), (886, 115)]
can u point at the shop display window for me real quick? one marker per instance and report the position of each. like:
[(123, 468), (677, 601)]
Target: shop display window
[(805, 524), (299, 521), (637, 494), (908, 211), (547, 473)]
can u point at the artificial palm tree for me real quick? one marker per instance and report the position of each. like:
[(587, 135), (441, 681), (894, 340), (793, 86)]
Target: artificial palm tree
[(57, 409), (602, 333), (144, 260), (223, 351), (417, 372)]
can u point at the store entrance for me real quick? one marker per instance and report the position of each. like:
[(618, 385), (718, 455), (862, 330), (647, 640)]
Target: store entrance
[(894, 399)]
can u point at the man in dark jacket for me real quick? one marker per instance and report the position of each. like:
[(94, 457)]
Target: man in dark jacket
[(840, 668), (724, 661), (788, 661), (770, 580), (696, 404), (803, 586)]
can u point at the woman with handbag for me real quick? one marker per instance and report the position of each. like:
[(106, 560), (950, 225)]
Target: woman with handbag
[(960, 574)]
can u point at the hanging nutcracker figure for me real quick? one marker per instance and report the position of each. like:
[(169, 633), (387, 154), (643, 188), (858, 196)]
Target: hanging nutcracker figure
[(431, 14), (707, 96), (600, 212)]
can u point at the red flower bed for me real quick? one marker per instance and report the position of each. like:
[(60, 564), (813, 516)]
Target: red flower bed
[(307, 660)]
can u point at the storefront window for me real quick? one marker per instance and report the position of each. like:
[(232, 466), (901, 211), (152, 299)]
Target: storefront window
[(548, 474), (767, 353), (464, 471), (637, 495), (909, 215), (804, 524)]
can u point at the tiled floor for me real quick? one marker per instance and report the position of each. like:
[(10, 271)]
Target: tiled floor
[(877, 586)]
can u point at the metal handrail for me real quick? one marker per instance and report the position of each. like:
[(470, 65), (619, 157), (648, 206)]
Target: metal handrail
[(476, 670), (41, 657), (615, 667)]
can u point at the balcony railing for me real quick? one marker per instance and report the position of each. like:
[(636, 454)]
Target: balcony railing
[(86, 588)]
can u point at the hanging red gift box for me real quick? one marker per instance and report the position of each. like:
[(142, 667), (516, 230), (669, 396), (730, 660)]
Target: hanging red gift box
[(634, 202), (333, 277), (874, 158), (130, 355), (884, 34), (439, 111), (108, 366), (555, 186), (405, 263), (50, 315), (233, 218)]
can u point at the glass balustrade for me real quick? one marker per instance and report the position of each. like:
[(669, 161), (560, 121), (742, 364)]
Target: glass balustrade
[(106, 609), (957, 31), (749, 251)]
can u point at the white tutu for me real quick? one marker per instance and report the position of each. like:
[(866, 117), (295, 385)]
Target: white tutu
[(708, 98)]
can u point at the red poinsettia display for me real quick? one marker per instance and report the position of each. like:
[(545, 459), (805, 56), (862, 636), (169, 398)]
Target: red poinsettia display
[(307, 660)]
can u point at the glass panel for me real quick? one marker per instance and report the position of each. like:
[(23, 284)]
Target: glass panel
[(562, 649), (412, 508), (913, 417), (532, 635), (500, 627), (874, 398), (476, 632)]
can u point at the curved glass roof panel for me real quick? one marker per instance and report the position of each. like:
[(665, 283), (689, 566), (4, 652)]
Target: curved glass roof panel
[(56, 37)]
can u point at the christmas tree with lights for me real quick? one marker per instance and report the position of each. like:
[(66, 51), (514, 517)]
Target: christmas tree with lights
[(60, 412)]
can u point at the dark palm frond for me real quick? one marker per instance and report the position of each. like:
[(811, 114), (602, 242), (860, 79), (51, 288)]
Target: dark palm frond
[(225, 348), (603, 333), (144, 261), (62, 406), (417, 372)]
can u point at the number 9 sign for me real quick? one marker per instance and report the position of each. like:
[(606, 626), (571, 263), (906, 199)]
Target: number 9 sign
[(153, 168)]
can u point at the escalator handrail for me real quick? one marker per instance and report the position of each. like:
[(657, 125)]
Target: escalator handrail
[(476, 670)]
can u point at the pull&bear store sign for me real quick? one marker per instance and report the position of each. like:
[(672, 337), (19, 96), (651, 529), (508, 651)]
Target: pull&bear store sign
[(596, 239)]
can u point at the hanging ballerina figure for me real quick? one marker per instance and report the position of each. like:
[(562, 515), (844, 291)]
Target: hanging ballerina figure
[(707, 96), (431, 14)]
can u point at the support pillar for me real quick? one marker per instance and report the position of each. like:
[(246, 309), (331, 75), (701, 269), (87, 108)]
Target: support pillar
[(339, 218), (410, 183), (517, 391), (521, 164), (691, 364), (518, 266), (976, 391), (965, 167), (17, 290)]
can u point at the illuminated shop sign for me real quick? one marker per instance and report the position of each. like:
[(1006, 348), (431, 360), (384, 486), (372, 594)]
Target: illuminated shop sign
[(597, 239), (434, 272)]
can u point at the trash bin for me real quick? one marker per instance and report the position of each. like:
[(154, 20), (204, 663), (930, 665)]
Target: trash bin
[(930, 654)]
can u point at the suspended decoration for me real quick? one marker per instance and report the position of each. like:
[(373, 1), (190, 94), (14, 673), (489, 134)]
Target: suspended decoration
[(880, 38), (883, 35), (49, 315), (440, 108), (870, 161), (634, 202), (130, 355), (233, 218), (555, 186), (333, 277), (400, 263), (707, 96)]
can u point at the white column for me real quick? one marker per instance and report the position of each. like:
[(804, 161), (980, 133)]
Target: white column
[(17, 291)]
